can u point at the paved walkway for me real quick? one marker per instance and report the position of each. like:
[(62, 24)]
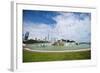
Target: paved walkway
[(59, 51)]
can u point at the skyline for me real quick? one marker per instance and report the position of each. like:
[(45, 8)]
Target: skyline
[(61, 25)]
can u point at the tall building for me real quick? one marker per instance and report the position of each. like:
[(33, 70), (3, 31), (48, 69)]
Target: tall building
[(48, 37), (26, 35)]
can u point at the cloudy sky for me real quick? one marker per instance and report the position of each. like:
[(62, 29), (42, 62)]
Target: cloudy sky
[(60, 25)]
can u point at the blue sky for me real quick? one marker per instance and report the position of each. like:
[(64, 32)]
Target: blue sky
[(39, 17), (61, 25)]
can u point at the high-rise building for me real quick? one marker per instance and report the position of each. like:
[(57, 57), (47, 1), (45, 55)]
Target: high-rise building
[(26, 35), (48, 38)]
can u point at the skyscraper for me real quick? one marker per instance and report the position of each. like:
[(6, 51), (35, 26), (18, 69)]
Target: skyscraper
[(26, 35)]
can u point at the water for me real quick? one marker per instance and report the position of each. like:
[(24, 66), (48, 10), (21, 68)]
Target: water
[(49, 47)]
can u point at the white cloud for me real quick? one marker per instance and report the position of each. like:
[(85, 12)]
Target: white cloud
[(39, 31), (70, 27)]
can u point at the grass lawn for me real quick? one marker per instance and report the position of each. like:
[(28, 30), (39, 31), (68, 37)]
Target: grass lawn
[(29, 56)]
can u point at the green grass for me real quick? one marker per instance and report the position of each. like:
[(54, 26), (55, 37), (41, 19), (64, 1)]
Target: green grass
[(29, 56)]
